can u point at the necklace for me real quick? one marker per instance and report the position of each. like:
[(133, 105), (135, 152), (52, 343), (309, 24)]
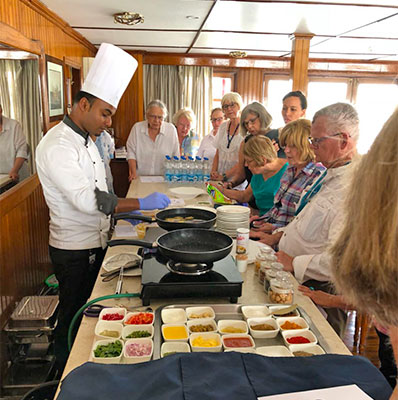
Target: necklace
[(229, 137)]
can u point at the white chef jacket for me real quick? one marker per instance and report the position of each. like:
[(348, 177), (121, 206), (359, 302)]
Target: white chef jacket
[(308, 236), (12, 145), (150, 155), (227, 157), (207, 147), (69, 170)]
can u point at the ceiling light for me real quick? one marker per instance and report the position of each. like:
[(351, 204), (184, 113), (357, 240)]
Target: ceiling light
[(237, 54), (191, 17), (128, 18)]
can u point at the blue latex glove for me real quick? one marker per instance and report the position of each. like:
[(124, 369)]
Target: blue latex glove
[(153, 201), (134, 222)]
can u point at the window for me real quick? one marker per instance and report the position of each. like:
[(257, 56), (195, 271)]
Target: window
[(277, 88), (222, 82)]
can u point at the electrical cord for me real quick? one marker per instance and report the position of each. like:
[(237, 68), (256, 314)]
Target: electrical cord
[(82, 308)]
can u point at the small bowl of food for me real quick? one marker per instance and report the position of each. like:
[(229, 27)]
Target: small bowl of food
[(241, 350), (108, 329), (107, 351), (263, 328), (137, 332), (205, 341), (201, 325), (274, 351), (139, 318), (175, 332), (255, 311), (169, 348), (112, 314), (174, 315), (292, 323), (137, 350), (229, 326), (237, 341), (299, 350), (200, 312), (303, 337)]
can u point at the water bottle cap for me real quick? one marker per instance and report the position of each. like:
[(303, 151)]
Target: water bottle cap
[(191, 158), (167, 157), (175, 158), (205, 158), (198, 158), (183, 158)]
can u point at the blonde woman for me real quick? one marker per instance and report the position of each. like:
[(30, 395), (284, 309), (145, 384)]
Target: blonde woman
[(228, 139), (267, 169), (302, 172), (365, 256), (184, 121)]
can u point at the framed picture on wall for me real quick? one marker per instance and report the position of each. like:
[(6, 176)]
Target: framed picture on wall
[(55, 82)]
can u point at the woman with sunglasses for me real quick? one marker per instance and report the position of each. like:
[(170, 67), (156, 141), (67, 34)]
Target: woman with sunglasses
[(228, 139)]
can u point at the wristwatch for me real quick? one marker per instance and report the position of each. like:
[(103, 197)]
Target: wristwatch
[(224, 177)]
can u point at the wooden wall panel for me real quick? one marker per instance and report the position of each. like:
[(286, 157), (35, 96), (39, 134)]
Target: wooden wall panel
[(249, 84)]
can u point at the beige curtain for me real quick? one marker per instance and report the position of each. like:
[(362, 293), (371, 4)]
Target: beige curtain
[(181, 86), (20, 97)]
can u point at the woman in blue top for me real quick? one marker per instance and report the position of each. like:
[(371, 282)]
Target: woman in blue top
[(267, 169)]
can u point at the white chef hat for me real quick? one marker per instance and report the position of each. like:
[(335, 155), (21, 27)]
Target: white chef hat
[(110, 73)]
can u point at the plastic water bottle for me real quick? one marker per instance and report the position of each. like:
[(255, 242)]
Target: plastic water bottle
[(184, 169), (175, 169), (191, 169), (167, 169), (198, 169), (206, 169)]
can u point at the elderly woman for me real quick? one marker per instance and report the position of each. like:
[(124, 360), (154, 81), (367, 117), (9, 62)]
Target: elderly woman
[(207, 146), (267, 169), (302, 172), (228, 139), (184, 120), (150, 141), (365, 256)]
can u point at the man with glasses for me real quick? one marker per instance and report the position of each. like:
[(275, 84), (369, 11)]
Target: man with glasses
[(150, 141), (303, 243)]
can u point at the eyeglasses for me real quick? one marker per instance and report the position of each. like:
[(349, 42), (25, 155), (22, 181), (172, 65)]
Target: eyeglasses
[(216, 119), (317, 141), (226, 106), (158, 117), (250, 121)]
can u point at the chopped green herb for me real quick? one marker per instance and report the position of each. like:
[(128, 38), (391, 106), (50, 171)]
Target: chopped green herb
[(138, 334), (109, 350)]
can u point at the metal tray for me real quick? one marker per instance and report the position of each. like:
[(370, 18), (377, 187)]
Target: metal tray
[(34, 312), (231, 311)]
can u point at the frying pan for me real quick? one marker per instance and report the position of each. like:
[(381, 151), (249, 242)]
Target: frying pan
[(191, 245), (202, 218)]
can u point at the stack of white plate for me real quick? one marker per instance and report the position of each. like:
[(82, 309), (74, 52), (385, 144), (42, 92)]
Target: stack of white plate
[(230, 218)]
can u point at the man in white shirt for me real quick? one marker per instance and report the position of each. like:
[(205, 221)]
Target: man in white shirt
[(303, 243), (150, 141), (14, 151)]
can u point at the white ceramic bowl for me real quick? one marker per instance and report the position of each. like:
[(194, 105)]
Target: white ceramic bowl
[(108, 326), (173, 315), (305, 333), (274, 351), (314, 349), (275, 308), (169, 339), (296, 320), (226, 345), (113, 310), (106, 360), (128, 329), (263, 334), (241, 350), (131, 314), (205, 321), (200, 312), (231, 323), (137, 359), (205, 336), (177, 347), (255, 311)]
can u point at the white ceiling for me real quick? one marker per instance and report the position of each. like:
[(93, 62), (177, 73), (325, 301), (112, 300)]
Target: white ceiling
[(344, 29)]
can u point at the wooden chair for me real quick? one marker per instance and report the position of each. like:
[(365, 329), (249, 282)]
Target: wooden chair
[(361, 330)]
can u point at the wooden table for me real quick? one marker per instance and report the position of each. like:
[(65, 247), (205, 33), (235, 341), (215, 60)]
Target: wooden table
[(252, 293)]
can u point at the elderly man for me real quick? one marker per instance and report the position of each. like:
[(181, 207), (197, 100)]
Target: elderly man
[(304, 241)]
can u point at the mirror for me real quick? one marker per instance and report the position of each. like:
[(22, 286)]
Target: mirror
[(21, 100)]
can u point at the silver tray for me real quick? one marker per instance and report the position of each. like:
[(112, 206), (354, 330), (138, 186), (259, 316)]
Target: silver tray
[(232, 311)]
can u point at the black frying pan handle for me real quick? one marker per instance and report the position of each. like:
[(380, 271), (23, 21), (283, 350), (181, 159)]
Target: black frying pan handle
[(145, 218), (134, 242)]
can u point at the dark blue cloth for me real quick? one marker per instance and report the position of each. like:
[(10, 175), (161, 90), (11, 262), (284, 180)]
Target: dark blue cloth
[(233, 376)]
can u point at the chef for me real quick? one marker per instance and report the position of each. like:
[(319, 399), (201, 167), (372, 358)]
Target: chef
[(72, 175)]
